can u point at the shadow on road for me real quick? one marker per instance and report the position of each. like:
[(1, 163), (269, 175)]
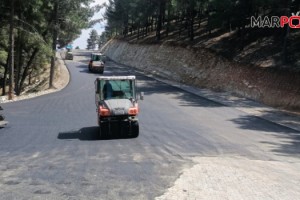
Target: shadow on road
[(260, 124), (82, 66), (85, 71), (288, 139), (88, 134)]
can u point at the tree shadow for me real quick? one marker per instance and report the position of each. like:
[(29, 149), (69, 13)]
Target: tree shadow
[(251, 122), (286, 148), (288, 140), (90, 134), (82, 66), (86, 71)]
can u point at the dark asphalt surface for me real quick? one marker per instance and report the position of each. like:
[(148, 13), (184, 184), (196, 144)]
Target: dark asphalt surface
[(51, 148)]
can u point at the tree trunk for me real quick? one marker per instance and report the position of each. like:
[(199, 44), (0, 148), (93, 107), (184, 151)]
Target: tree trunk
[(19, 51), (138, 31), (199, 15), (159, 20), (192, 27), (19, 64), (6, 70), (11, 49), (29, 63), (169, 18), (152, 23), (54, 38), (285, 58), (208, 26), (191, 19)]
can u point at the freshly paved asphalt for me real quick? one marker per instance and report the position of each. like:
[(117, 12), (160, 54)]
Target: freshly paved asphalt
[(51, 148)]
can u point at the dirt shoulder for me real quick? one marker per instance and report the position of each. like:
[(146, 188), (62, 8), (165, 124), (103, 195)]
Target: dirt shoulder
[(236, 178), (41, 87)]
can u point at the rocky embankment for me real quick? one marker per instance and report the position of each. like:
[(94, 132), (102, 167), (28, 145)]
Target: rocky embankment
[(203, 68)]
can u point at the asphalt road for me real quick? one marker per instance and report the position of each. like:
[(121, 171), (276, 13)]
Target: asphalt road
[(51, 148)]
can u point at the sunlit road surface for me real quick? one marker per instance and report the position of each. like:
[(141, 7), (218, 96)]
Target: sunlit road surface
[(189, 148)]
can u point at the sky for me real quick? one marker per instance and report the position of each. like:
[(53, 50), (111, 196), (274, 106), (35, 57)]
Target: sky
[(82, 40)]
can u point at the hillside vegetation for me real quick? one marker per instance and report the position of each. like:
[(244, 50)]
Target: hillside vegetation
[(210, 43), (220, 26), (30, 33)]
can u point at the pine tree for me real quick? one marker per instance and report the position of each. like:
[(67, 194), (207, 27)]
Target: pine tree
[(92, 40)]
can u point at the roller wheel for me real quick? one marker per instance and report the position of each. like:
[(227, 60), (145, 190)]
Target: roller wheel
[(134, 129)]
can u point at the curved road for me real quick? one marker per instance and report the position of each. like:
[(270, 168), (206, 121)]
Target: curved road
[(51, 149)]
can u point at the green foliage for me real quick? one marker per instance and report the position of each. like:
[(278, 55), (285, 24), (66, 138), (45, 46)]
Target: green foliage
[(3, 46), (34, 25), (123, 16), (92, 41), (73, 17), (102, 39), (135, 19)]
